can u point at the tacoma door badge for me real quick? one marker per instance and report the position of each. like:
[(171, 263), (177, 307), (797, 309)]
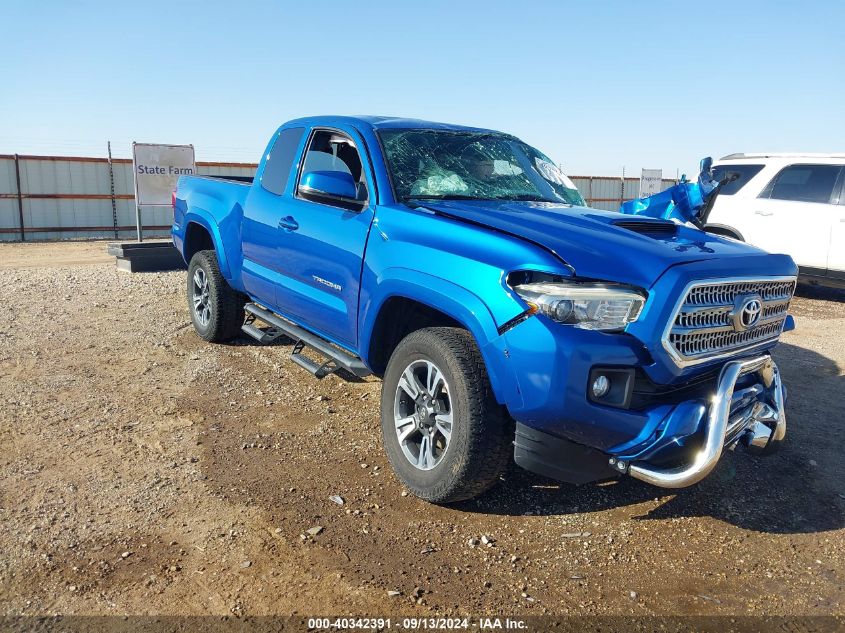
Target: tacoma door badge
[(328, 283)]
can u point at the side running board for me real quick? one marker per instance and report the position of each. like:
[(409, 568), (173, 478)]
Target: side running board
[(335, 358)]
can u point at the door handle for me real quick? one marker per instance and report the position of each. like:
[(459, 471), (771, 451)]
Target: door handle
[(288, 223), (766, 213)]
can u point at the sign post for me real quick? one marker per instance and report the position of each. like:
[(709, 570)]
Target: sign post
[(156, 169), (651, 182)]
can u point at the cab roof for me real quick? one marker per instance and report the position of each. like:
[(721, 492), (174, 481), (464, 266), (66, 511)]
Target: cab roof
[(386, 123)]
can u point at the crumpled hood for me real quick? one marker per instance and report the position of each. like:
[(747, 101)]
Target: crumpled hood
[(589, 241)]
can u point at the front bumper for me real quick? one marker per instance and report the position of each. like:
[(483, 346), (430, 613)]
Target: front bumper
[(746, 407), (760, 424)]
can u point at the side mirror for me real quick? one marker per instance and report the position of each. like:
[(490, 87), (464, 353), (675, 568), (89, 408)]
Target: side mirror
[(337, 185)]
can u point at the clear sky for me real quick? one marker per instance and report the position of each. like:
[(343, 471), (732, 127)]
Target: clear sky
[(595, 85)]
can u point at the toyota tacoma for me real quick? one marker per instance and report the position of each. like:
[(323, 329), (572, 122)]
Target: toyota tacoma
[(506, 319)]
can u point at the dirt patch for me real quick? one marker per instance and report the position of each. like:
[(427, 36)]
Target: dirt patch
[(48, 255), (207, 465)]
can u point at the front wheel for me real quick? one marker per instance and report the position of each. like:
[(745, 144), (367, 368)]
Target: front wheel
[(445, 435), (217, 310)]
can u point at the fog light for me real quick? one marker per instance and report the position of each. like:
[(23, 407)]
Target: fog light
[(611, 386), (601, 386)]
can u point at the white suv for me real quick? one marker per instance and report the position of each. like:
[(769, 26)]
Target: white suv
[(786, 203)]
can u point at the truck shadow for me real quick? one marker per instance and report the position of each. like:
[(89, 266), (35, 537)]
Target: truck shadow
[(800, 489)]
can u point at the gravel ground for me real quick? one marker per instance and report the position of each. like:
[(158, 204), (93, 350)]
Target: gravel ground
[(144, 471)]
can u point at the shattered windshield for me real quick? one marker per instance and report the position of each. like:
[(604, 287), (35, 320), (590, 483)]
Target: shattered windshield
[(448, 165)]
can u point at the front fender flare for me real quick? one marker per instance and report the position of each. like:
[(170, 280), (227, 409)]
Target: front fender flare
[(465, 307)]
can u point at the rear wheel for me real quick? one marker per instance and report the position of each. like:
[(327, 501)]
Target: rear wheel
[(217, 311), (445, 435)]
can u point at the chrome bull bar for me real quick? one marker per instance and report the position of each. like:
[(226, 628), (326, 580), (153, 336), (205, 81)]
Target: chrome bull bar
[(762, 427)]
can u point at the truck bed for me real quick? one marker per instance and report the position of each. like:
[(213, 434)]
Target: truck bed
[(216, 201), (218, 194), (245, 180)]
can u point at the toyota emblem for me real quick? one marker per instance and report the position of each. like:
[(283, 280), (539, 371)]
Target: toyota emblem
[(747, 311)]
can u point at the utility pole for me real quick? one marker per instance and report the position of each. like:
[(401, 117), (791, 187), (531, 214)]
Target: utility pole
[(113, 201), (20, 195)]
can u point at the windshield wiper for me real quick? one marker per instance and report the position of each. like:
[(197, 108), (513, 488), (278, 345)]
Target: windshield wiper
[(528, 198), (448, 196), (460, 196)]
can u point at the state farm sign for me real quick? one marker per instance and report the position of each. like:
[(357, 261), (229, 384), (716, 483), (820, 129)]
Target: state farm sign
[(157, 168)]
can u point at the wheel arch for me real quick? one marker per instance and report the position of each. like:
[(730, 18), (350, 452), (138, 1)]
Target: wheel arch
[(203, 234), (724, 230), (411, 300)]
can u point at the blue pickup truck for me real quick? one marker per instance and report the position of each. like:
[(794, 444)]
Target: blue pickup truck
[(507, 320)]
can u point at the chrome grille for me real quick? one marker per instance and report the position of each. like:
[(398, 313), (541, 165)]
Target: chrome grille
[(705, 324)]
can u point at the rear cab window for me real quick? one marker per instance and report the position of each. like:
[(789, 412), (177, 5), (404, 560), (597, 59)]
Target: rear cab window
[(804, 183), (280, 159), (743, 173)]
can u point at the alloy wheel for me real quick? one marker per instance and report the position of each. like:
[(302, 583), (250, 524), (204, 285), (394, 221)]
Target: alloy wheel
[(202, 302), (422, 412)]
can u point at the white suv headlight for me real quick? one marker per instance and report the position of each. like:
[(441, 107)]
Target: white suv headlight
[(590, 306)]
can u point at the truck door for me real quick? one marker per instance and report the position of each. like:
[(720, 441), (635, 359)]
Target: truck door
[(794, 214), (731, 207), (260, 233), (321, 244)]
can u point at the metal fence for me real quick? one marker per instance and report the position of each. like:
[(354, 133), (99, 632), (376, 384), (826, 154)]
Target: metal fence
[(61, 197), (608, 192)]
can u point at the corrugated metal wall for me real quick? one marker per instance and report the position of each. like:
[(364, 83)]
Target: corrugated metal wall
[(71, 197), (607, 192)]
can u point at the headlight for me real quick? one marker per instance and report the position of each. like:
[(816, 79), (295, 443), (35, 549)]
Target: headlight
[(589, 306)]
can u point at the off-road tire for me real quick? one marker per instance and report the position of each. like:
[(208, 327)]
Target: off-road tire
[(481, 444), (227, 305)]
